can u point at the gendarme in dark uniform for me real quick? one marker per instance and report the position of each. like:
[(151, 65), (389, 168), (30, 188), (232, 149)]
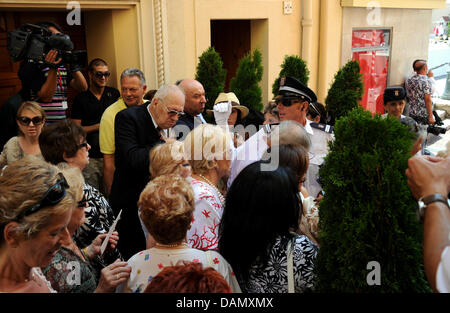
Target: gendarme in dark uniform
[(293, 99)]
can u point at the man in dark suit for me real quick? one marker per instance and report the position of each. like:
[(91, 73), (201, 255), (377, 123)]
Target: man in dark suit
[(193, 107), (137, 130)]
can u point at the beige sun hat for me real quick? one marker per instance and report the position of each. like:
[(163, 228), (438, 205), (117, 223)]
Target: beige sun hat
[(230, 96)]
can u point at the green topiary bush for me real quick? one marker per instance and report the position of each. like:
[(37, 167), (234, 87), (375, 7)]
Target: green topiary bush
[(345, 92), (245, 84), (211, 75), (292, 66), (368, 213)]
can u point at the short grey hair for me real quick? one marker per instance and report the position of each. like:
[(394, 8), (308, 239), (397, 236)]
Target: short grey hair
[(292, 132), (133, 72), (166, 91)]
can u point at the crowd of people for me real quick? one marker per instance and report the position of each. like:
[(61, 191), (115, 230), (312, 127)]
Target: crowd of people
[(204, 207)]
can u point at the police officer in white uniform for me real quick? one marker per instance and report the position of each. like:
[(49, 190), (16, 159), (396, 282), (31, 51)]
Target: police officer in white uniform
[(293, 101)]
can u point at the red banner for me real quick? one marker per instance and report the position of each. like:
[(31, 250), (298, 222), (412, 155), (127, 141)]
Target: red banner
[(374, 67)]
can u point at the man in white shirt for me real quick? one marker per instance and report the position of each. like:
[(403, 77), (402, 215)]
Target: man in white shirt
[(293, 101)]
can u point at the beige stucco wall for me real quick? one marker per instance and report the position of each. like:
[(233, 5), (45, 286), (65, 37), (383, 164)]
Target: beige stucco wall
[(117, 42), (330, 45), (409, 37)]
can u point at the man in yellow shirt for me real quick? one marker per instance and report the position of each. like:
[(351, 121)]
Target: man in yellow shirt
[(133, 86)]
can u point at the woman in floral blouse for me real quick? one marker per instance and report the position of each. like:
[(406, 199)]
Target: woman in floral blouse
[(65, 142), (262, 206)]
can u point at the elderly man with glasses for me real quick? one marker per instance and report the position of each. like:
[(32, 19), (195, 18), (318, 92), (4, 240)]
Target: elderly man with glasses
[(137, 130), (293, 101)]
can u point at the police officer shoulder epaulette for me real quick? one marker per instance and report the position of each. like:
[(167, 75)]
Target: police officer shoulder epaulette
[(324, 127)]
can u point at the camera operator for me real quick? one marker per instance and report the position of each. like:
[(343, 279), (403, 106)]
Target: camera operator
[(429, 181), (48, 85)]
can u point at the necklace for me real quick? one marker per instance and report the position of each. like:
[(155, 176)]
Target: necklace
[(221, 197), (172, 245)]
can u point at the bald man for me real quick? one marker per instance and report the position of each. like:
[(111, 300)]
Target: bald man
[(194, 104)]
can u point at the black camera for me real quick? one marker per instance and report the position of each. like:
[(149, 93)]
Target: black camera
[(33, 42)]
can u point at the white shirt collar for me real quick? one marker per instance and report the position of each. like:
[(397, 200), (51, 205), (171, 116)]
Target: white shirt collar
[(153, 120), (308, 127)]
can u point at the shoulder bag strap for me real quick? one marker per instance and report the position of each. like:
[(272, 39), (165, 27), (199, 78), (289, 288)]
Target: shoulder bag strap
[(290, 266)]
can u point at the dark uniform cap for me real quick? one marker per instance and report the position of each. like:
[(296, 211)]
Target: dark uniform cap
[(292, 88), (394, 94)]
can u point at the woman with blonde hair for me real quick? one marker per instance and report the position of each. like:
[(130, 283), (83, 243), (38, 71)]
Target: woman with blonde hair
[(167, 206), (35, 209), (166, 158), (209, 150), (30, 119), (169, 158)]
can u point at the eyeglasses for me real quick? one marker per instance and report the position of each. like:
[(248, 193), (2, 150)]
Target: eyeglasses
[(287, 102), (100, 74), (52, 196), (172, 112), (37, 120), (83, 145)]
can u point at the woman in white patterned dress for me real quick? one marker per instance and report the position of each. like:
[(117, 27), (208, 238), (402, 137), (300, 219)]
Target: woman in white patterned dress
[(208, 149)]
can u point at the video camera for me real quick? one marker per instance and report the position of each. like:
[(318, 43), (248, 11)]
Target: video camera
[(433, 128), (33, 42), (436, 130)]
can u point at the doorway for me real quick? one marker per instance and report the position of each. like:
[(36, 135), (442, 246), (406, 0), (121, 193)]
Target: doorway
[(232, 40)]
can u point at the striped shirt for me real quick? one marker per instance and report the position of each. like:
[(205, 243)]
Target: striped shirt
[(56, 109)]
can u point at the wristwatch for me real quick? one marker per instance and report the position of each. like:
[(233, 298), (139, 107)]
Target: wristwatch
[(425, 201)]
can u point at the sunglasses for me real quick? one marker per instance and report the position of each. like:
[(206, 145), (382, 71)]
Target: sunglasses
[(100, 74), (37, 120), (172, 112), (83, 145), (52, 196), (287, 102)]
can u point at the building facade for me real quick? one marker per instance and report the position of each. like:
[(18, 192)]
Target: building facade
[(165, 38)]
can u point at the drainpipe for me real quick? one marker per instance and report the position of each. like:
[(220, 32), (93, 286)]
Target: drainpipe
[(307, 31), (159, 44)]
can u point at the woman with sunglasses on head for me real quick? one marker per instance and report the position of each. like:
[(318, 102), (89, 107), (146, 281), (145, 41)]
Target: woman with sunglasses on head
[(65, 142), (30, 119), (70, 270), (33, 223)]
